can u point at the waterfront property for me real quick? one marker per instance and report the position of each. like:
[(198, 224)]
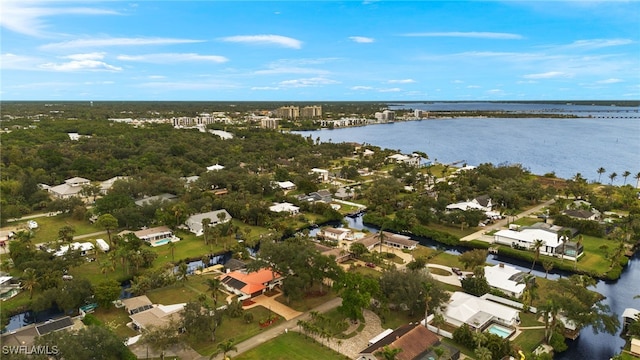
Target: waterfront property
[(285, 207), (505, 278), (194, 222), (9, 287), (26, 336), (144, 314), (478, 313), (156, 236), (335, 234), (250, 284)]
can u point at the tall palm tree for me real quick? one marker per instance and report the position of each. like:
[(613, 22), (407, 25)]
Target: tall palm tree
[(578, 244), (601, 171), (548, 266), (537, 244), (625, 174), (206, 222), (213, 285), (637, 177), (381, 237), (172, 248), (612, 177), (29, 280), (483, 353), (225, 347)]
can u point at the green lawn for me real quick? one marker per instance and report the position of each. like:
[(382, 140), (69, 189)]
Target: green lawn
[(528, 340), (116, 320), (48, 227), (310, 301), (290, 346)]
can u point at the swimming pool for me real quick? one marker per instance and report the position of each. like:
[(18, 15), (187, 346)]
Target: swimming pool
[(161, 242), (503, 332)]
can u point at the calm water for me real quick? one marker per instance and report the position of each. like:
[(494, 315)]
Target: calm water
[(563, 146), (610, 139)]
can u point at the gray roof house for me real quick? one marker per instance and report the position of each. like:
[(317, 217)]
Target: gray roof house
[(194, 222), (162, 198)]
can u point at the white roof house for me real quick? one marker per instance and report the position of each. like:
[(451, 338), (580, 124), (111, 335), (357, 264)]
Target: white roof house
[(286, 185), (285, 207), (413, 159), (505, 278), (102, 245), (526, 237), (215, 167), (322, 174), (194, 222), (84, 248), (71, 187), (476, 312), (106, 185), (336, 234)]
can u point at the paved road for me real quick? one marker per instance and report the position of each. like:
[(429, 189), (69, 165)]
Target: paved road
[(480, 235)]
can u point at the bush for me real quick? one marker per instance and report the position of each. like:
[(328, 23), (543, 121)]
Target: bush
[(89, 319)]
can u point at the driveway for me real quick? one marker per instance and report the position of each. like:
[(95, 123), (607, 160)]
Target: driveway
[(451, 279), (270, 302)]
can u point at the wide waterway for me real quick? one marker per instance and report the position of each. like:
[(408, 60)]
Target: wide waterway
[(541, 145), (610, 138)]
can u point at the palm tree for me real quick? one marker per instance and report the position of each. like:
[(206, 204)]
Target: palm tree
[(30, 280), (537, 244), (388, 353), (213, 285), (183, 270), (483, 353), (172, 248), (612, 177), (578, 244), (529, 294), (625, 174), (548, 266), (601, 171), (637, 177), (381, 237), (438, 321), (206, 222), (225, 347)]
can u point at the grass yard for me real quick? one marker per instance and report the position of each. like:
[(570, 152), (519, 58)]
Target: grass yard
[(48, 227), (116, 320), (528, 340), (290, 346), (173, 294), (310, 301), (529, 319)]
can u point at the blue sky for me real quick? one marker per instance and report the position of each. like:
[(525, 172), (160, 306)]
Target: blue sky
[(319, 50)]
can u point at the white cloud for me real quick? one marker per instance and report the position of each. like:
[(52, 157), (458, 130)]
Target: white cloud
[(173, 58), (390, 90), (361, 39), (609, 81), (360, 87), (290, 70), (471, 34), (189, 85), (546, 75), (279, 40), (27, 17), (458, 82), (101, 42), (316, 81), (156, 77), (473, 86), (265, 88), (598, 43), (82, 62), (18, 62), (402, 81)]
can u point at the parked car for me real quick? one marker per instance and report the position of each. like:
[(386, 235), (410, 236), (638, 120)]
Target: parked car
[(371, 265), (456, 271)]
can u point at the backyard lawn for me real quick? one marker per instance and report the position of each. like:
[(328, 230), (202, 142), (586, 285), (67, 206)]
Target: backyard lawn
[(290, 346)]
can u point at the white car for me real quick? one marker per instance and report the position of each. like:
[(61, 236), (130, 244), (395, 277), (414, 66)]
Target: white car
[(32, 224)]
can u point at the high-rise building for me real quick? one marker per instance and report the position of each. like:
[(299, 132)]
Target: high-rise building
[(288, 112), (311, 112)]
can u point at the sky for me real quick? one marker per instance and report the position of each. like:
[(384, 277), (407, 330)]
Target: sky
[(320, 50)]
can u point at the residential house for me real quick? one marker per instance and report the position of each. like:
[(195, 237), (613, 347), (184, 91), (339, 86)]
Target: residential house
[(335, 234), (478, 313), (322, 174), (399, 241), (482, 203), (411, 160), (505, 278), (285, 207), (250, 284), (9, 287), (157, 199), (194, 222), (106, 185), (323, 195), (286, 185), (25, 337), (526, 237), (144, 314), (370, 241), (344, 193), (156, 236), (71, 187), (190, 180), (582, 214), (416, 341), (635, 347)]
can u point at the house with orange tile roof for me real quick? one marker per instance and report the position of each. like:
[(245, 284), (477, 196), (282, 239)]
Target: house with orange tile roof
[(416, 341), (250, 284)]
